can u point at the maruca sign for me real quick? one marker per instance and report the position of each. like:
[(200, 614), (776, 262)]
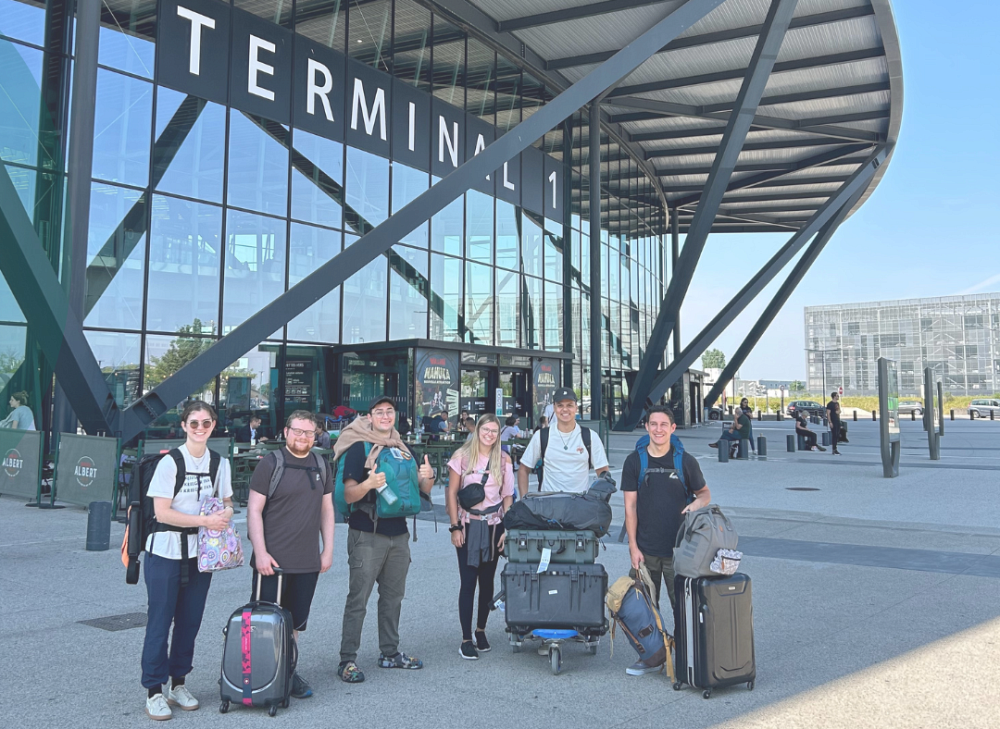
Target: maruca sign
[(211, 50)]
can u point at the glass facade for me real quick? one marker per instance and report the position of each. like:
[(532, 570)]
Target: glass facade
[(958, 336), (201, 213)]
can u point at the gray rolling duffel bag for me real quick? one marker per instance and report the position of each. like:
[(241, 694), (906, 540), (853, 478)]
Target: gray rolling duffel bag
[(699, 540)]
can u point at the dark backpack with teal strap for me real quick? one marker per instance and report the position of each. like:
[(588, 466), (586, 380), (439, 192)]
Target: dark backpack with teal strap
[(677, 448), (400, 477)]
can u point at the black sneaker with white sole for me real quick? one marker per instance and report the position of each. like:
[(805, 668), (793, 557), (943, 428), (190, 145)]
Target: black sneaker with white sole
[(482, 644), (468, 651)]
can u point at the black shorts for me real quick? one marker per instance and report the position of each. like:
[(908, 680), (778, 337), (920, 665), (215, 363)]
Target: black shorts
[(297, 593)]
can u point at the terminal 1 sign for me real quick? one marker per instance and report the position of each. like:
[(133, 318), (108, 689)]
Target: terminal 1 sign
[(211, 50)]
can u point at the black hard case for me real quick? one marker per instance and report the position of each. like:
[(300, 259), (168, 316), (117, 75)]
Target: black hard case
[(272, 650), (565, 596), (713, 619)]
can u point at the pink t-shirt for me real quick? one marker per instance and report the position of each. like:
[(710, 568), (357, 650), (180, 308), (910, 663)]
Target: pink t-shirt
[(494, 494)]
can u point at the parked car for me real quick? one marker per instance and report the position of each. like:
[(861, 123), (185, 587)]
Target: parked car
[(982, 408), (809, 407), (908, 406)]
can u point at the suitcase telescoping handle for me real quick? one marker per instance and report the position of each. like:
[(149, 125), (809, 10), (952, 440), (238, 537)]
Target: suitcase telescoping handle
[(260, 578)]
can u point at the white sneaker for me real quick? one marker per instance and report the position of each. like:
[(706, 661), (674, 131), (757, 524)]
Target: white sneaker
[(181, 697), (157, 708)]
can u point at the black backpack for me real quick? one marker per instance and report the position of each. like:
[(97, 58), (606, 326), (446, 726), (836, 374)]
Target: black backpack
[(539, 468), (142, 516)]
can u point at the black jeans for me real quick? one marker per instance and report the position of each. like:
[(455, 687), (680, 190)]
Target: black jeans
[(810, 439), (483, 576), (835, 432)]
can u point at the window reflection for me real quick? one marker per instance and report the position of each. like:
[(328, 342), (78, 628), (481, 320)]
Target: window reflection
[(446, 228), (407, 184), (531, 313), (365, 303), (310, 248), (317, 179), (255, 265), (408, 290), (508, 307), (123, 111), (479, 304), (446, 297), (127, 43), (20, 73), (553, 316), (531, 245), (164, 356), (508, 247), (258, 164), (115, 255), (553, 251), (118, 356), (479, 224), (188, 155), (184, 256), (367, 191), (23, 20)]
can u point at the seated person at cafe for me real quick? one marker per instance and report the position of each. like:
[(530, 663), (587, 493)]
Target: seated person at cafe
[(252, 432), (802, 429)]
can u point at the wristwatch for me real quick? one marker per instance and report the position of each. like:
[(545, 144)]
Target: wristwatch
[(455, 528)]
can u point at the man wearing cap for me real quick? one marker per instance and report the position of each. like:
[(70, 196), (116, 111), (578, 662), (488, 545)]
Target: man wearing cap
[(567, 451), (378, 549)]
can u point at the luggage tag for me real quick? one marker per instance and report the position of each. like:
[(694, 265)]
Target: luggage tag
[(396, 453), (543, 564)]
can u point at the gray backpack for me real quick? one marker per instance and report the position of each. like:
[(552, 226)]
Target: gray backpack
[(699, 539), (280, 466)]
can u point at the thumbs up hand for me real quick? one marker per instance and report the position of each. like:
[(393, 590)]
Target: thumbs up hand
[(425, 471)]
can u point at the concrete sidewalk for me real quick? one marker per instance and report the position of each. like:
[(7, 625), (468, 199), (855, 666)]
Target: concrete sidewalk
[(876, 604)]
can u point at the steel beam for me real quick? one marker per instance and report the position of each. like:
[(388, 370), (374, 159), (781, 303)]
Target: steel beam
[(661, 381), (342, 266), (822, 126), (675, 255), (748, 147), (794, 278), (759, 70), (720, 36), (52, 321), (570, 13), (596, 345)]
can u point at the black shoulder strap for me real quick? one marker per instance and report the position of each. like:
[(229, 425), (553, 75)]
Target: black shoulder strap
[(214, 460), (585, 434), (545, 441), (178, 457)]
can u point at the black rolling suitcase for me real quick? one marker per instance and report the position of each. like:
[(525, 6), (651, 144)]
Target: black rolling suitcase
[(713, 630), (259, 656)]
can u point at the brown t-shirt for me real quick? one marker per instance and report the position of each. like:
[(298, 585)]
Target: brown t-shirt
[(292, 514)]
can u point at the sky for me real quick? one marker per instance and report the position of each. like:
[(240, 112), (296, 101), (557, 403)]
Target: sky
[(926, 230)]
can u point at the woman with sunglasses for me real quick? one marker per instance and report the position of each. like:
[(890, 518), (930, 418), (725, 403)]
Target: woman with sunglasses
[(177, 590), (477, 532)]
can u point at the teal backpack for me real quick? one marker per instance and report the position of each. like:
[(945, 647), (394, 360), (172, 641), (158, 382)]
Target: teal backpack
[(400, 478)]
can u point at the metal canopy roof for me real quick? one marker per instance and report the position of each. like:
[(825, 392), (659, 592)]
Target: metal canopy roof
[(834, 94)]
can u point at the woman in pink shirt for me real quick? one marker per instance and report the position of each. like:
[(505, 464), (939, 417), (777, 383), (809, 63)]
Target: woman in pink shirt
[(477, 533)]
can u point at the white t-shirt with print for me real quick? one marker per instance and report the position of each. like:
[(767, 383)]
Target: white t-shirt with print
[(565, 459), (188, 499)]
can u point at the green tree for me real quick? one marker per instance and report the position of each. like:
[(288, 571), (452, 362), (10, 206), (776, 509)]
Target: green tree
[(796, 386), (184, 348), (713, 358)]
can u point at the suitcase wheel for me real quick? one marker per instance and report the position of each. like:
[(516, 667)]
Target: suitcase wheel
[(223, 707), (749, 685), (273, 710), (706, 694), (555, 659), (677, 686)]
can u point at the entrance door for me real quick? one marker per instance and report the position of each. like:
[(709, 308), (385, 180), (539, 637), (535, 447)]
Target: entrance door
[(475, 391), (515, 392)]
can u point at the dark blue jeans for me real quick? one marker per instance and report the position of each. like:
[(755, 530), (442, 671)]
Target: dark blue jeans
[(171, 604)]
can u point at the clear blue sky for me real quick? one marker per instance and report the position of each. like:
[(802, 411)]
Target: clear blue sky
[(927, 230)]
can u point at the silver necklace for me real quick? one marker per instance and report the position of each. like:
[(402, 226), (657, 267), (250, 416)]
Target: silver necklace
[(564, 441)]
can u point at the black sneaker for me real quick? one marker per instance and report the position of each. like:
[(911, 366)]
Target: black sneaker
[(349, 672), (482, 644), (300, 689), (400, 660), (468, 651)]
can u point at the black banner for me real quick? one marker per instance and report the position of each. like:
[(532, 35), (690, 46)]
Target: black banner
[(545, 377), (437, 383)]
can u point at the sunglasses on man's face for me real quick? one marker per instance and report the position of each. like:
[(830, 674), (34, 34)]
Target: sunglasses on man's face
[(204, 423)]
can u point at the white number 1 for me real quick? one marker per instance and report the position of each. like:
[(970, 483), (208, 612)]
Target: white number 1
[(552, 179)]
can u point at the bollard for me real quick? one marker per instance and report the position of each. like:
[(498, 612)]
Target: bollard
[(953, 414), (801, 442), (790, 443), (743, 449), (873, 415), (99, 526), (825, 438), (991, 413), (913, 415), (760, 416), (723, 451), (781, 416), (761, 446), (855, 415), (972, 415)]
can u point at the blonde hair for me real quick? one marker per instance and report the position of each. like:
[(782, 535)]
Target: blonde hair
[(470, 452)]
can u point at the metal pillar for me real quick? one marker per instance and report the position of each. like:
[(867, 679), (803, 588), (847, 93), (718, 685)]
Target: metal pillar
[(930, 408), (596, 345), (758, 329), (766, 51), (79, 167), (342, 266), (856, 184), (675, 254)]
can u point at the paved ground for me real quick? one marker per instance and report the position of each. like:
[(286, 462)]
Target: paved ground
[(876, 602)]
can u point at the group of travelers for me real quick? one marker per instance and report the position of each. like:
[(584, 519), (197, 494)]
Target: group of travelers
[(290, 525)]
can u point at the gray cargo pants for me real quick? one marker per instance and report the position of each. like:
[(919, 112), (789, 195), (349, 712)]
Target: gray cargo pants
[(374, 558)]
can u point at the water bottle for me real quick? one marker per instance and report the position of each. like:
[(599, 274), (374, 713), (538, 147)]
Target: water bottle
[(387, 495)]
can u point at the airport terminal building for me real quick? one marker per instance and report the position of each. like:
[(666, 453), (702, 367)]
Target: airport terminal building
[(216, 155)]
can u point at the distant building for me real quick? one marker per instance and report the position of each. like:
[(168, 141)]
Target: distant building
[(959, 336)]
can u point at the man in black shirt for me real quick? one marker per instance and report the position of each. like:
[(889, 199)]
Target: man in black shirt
[(833, 413), (655, 508), (376, 552)]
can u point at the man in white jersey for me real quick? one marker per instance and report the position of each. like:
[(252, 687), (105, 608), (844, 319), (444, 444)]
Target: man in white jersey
[(567, 451)]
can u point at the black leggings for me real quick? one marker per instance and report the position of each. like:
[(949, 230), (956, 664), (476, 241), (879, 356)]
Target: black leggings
[(483, 575)]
